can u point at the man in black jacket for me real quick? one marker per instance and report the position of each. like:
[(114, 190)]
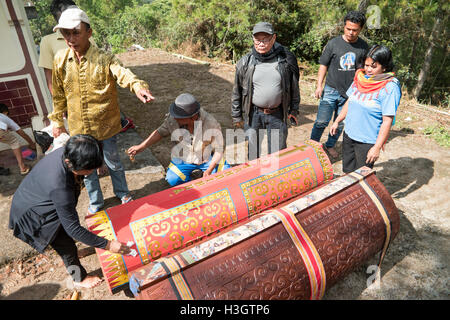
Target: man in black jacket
[(266, 92)]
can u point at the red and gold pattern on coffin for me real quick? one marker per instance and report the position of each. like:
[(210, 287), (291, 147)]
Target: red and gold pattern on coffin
[(164, 222), (340, 225)]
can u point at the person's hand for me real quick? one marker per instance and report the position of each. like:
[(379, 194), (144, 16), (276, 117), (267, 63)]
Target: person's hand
[(32, 146), (293, 119), (373, 154), (207, 172), (238, 125), (133, 150), (145, 95), (318, 93), (334, 128), (117, 247), (57, 131)]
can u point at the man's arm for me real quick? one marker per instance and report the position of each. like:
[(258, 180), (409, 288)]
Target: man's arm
[(236, 98), (324, 61), (294, 88), (127, 79), (153, 138), (320, 77), (27, 138)]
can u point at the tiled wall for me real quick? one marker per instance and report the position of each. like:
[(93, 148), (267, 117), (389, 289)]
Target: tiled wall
[(17, 96)]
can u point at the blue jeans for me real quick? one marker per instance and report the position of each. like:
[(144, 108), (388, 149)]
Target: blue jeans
[(330, 102), (275, 128), (180, 171), (116, 172)]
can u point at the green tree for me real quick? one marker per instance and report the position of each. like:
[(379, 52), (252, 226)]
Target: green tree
[(410, 29)]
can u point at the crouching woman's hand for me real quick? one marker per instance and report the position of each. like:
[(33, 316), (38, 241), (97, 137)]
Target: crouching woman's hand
[(117, 247)]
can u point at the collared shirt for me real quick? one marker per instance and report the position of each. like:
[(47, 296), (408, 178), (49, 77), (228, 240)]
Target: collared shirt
[(87, 91), (194, 148), (50, 45)]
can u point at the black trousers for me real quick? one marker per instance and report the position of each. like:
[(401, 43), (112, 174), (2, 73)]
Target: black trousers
[(67, 250), (354, 154)]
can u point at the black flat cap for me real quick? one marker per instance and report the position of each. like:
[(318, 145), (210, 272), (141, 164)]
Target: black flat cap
[(263, 27)]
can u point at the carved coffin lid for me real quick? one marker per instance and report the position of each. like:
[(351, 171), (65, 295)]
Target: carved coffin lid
[(165, 222), (147, 279)]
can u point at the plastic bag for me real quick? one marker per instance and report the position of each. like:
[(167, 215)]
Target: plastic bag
[(43, 139)]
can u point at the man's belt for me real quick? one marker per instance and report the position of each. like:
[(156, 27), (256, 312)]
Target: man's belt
[(268, 110)]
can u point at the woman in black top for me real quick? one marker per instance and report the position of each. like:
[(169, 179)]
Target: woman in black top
[(43, 210)]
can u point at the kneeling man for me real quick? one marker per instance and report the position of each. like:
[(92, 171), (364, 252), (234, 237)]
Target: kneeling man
[(200, 140)]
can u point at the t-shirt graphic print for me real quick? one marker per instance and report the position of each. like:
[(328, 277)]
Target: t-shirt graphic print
[(347, 62)]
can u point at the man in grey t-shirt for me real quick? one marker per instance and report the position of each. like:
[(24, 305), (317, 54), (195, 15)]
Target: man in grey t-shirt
[(339, 59), (265, 93)]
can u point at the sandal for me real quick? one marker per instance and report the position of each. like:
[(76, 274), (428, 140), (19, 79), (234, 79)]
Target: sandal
[(24, 172)]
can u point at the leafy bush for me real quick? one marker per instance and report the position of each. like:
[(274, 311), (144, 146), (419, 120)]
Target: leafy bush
[(136, 25)]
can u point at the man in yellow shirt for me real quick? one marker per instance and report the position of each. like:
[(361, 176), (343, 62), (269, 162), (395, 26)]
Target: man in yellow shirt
[(52, 43), (84, 85)]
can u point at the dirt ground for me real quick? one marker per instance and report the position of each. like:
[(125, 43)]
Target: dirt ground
[(414, 168)]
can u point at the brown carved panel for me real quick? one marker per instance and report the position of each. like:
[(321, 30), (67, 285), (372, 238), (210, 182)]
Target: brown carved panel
[(160, 291), (345, 231), (264, 268)]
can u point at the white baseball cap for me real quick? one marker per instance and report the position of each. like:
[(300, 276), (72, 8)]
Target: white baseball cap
[(71, 18)]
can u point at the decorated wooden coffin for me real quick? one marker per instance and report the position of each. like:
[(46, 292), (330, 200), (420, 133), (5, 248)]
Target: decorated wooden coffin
[(165, 222), (295, 251)]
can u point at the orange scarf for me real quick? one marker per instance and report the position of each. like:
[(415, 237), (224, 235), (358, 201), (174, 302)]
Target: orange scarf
[(374, 83)]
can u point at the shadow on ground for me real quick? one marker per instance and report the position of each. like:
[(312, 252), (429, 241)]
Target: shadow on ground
[(404, 175), (40, 291)]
